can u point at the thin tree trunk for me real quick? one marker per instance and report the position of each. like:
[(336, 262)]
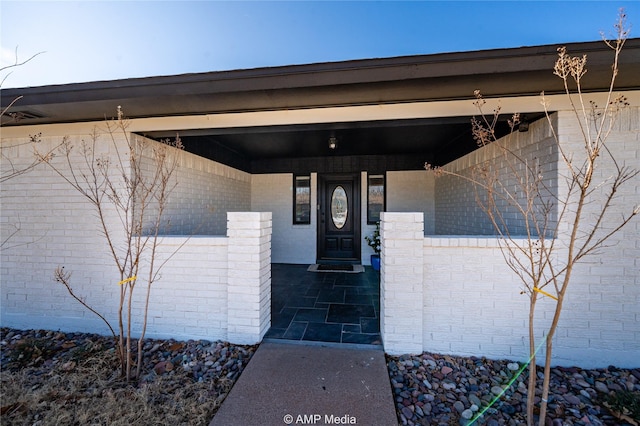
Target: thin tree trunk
[(129, 333), (121, 349), (549, 347), (531, 391), (146, 309), (547, 373)]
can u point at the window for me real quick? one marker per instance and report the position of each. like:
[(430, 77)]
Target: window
[(339, 207), (302, 200), (375, 198)]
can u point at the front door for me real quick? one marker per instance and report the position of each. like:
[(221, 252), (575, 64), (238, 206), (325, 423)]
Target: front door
[(339, 217)]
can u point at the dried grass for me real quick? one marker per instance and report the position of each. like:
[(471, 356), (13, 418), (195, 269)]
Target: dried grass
[(87, 390)]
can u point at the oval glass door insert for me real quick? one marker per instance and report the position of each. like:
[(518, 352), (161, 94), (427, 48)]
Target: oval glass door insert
[(339, 207)]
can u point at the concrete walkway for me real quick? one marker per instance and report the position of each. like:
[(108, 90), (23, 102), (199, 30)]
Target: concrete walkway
[(287, 383)]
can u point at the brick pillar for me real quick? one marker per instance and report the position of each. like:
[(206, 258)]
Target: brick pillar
[(401, 282), (249, 276)]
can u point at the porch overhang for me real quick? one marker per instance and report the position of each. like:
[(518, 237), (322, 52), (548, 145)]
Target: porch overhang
[(364, 93)]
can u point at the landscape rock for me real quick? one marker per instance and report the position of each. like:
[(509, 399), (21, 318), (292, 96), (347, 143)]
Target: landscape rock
[(428, 389), (453, 390), (513, 366), (167, 360), (601, 387)]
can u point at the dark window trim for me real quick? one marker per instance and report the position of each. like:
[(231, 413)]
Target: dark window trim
[(295, 199), (371, 221)]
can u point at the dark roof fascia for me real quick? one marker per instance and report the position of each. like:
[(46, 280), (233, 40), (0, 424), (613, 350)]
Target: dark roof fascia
[(315, 78), (521, 59)]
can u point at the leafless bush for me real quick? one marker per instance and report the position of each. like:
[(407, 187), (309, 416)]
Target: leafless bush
[(128, 189)]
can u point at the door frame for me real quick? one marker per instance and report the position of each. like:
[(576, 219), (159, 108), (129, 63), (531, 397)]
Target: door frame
[(323, 178)]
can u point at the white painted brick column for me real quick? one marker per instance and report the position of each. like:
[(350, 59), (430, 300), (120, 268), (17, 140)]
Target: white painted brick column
[(249, 279), (401, 282)]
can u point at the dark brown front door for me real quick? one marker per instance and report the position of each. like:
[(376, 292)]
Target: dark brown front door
[(339, 217)]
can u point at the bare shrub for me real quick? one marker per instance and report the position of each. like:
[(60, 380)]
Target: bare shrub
[(127, 180)]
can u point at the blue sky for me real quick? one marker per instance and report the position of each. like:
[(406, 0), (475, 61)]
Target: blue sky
[(91, 40)]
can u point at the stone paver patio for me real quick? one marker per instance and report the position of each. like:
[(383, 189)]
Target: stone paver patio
[(324, 306)]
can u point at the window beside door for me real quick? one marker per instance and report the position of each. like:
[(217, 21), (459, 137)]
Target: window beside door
[(302, 200), (375, 198)]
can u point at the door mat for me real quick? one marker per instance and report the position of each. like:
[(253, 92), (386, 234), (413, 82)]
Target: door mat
[(349, 269)]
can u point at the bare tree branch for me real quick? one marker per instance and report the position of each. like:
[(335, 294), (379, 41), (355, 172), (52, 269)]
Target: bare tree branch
[(131, 183)]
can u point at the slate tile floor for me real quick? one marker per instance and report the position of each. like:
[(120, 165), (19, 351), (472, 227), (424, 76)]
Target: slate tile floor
[(324, 306)]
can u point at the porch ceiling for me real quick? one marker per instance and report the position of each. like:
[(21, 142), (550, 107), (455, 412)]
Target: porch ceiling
[(438, 140)]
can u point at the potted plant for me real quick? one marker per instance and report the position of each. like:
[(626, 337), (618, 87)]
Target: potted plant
[(374, 242)]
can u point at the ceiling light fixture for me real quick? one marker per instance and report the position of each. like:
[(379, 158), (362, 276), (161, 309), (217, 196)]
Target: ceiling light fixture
[(333, 142)]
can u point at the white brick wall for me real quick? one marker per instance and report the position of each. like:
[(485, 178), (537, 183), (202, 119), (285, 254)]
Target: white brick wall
[(206, 191), (472, 303), (401, 282), (472, 300), (456, 209), (464, 299), (601, 320), (406, 191), (249, 279), (291, 243), (189, 299), (412, 191), (56, 226)]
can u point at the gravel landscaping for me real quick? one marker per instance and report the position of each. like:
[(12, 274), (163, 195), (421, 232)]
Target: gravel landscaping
[(55, 378), (434, 389)]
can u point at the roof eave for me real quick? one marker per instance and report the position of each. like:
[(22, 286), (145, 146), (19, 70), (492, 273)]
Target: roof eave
[(498, 72)]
